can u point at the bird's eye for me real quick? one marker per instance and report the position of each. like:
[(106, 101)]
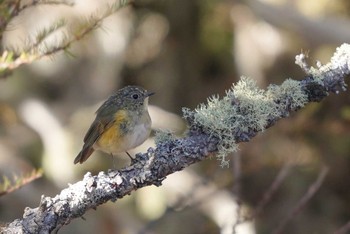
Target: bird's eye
[(135, 96)]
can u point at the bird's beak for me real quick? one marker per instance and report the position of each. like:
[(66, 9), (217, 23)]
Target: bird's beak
[(149, 94)]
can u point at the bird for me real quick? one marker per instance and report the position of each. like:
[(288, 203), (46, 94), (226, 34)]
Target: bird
[(122, 123)]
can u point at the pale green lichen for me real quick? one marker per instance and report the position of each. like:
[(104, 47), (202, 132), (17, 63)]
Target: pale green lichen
[(245, 109), (289, 90), (163, 136), (255, 106), (317, 75), (216, 118)]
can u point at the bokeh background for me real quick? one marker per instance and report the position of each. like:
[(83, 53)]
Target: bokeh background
[(184, 51)]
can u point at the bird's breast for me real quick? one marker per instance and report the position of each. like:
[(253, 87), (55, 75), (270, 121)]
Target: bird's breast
[(125, 135)]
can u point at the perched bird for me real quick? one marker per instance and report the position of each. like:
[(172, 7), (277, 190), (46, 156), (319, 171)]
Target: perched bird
[(121, 124)]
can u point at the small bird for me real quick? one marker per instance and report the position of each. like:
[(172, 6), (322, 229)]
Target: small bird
[(122, 123)]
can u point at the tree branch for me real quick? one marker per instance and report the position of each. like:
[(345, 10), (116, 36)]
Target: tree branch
[(254, 110), (39, 47)]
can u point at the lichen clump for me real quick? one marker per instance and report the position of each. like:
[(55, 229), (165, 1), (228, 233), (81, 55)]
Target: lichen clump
[(245, 110), (162, 136)]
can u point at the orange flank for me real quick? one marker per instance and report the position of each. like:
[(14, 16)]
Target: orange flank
[(111, 137)]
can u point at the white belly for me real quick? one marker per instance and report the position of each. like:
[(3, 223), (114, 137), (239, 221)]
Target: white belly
[(139, 135)]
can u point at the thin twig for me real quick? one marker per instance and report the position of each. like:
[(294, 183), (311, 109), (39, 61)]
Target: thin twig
[(281, 176), (237, 173), (344, 229), (20, 181), (303, 201), (236, 188), (35, 51)]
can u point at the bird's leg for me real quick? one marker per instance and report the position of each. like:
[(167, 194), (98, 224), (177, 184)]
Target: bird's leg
[(133, 160), (114, 160)]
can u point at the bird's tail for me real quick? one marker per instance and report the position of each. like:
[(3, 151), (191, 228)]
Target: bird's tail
[(83, 155)]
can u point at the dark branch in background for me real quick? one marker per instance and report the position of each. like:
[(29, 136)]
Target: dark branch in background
[(276, 184), (308, 195), (344, 229), (236, 188), (281, 176), (172, 155)]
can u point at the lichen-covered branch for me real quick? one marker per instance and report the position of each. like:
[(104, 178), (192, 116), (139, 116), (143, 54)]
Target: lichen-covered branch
[(215, 127), (247, 110)]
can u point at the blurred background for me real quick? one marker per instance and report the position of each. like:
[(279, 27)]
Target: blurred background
[(184, 51)]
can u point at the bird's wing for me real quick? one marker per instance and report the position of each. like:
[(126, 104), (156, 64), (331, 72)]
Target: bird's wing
[(104, 120)]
